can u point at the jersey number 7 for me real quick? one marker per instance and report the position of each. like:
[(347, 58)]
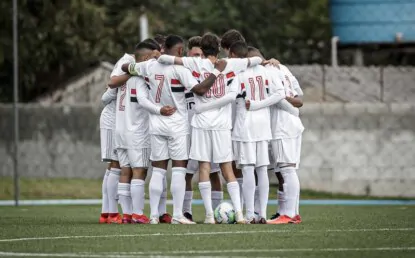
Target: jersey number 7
[(159, 78)]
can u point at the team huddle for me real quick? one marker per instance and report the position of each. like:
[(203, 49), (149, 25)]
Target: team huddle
[(237, 116)]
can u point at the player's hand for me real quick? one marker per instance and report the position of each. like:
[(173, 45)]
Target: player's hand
[(167, 110), (247, 104), (274, 62), (220, 65)]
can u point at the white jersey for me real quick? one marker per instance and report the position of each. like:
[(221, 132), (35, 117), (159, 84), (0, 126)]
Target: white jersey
[(131, 130), (167, 86), (219, 118), (283, 124), (255, 84), (292, 82), (107, 118)]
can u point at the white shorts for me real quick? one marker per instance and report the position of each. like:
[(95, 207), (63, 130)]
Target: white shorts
[(287, 150), (211, 145), (193, 167), (134, 158), (169, 147), (108, 151), (251, 153)]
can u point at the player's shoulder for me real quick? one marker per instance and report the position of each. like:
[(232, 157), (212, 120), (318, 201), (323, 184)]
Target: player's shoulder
[(126, 58)]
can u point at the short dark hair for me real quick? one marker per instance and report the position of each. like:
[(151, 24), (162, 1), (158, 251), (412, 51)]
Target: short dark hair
[(253, 50), (160, 39), (173, 40), (194, 42), (239, 48), (146, 45), (210, 44), (153, 43), (230, 37)]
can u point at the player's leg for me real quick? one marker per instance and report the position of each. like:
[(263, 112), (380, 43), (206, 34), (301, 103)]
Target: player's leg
[(247, 159), (164, 216), (297, 217), (239, 177), (277, 171), (201, 150), (286, 160), (124, 186), (159, 156), (179, 153), (262, 162), (222, 154), (112, 189), (192, 167), (217, 192), (106, 150), (139, 161)]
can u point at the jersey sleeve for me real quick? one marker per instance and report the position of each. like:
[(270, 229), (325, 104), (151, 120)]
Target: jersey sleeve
[(143, 68), (143, 98), (117, 68), (236, 65), (186, 78), (108, 96), (191, 63)]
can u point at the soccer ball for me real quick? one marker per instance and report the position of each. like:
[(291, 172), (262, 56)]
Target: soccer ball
[(224, 213)]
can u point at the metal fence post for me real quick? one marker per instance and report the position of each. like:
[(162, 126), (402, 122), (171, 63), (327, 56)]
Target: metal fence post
[(15, 104)]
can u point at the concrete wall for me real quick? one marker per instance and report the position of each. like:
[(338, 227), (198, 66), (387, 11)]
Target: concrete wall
[(347, 148)]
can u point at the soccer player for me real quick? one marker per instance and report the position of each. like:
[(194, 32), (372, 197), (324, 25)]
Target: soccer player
[(194, 50), (211, 129), (133, 139), (107, 121), (286, 129), (108, 154), (252, 129), (169, 135)]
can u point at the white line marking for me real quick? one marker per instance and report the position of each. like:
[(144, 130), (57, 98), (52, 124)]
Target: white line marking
[(208, 233), (135, 254)]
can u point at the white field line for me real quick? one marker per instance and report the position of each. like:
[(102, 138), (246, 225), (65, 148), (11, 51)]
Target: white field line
[(135, 254), (207, 233)]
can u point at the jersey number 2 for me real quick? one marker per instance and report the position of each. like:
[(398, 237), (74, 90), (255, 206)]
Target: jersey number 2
[(122, 97)]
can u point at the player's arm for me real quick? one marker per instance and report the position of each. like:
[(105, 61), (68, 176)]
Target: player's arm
[(295, 101), (137, 69), (117, 81), (223, 101), (170, 60), (277, 94), (144, 102), (203, 87), (108, 96)]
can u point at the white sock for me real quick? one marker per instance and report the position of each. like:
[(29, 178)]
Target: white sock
[(156, 189), (205, 189), (124, 194), (187, 204), (248, 187), (263, 189), (297, 206), (163, 198), (233, 190), (240, 183), (105, 204), (178, 188), (217, 198), (137, 195), (112, 189), (281, 201), (291, 189), (257, 205)]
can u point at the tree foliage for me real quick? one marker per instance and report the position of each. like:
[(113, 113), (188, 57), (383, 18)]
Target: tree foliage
[(60, 39)]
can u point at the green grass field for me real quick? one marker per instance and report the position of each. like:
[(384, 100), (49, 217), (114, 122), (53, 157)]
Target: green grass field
[(326, 231)]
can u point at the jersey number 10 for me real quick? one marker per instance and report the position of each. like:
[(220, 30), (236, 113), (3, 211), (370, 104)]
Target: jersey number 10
[(218, 87)]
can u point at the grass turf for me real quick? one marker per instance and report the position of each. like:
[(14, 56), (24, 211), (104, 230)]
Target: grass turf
[(77, 188), (326, 231)]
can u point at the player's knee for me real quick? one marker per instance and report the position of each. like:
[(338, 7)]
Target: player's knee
[(115, 164), (179, 163)]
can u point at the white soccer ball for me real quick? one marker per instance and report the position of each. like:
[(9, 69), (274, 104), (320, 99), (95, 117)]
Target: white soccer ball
[(224, 213)]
